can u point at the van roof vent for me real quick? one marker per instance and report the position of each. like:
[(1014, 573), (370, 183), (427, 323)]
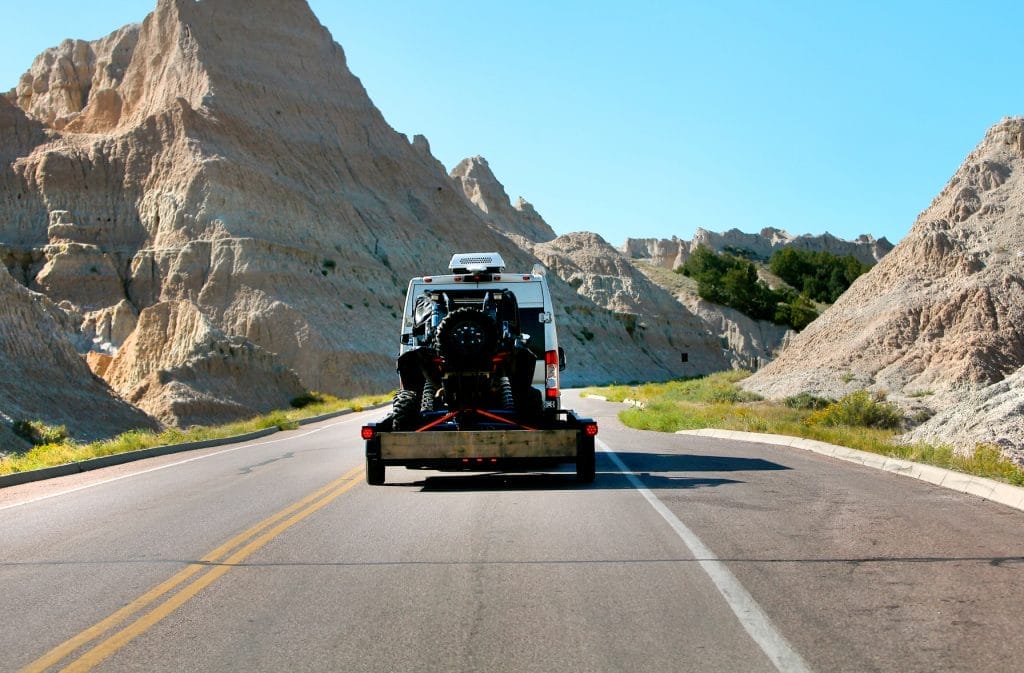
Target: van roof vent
[(470, 262)]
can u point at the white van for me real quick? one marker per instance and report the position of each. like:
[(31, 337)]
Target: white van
[(479, 322)]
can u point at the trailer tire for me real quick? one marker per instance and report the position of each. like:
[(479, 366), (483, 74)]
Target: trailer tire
[(405, 409), (586, 467), (374, 471)]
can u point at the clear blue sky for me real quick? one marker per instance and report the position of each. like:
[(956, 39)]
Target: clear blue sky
[(650, 119)]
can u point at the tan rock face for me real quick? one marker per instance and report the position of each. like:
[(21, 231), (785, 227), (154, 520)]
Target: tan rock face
[(477, 181), (64, 79), (666, 253), (44, 376), (943, 312), (183, 370), (989, 415)]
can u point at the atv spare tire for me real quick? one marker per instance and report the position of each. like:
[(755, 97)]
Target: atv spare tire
[(466, 339)]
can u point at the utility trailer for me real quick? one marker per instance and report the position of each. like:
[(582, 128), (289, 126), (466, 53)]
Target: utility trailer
[(479, 366)]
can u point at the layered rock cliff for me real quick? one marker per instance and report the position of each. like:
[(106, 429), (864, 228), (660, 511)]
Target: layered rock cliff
[(673, 253), (45, 378), (181, 369)]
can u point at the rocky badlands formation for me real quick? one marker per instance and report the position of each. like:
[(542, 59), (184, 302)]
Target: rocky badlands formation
[(212, 201), (208, 210), (673, 253), (940, 320)]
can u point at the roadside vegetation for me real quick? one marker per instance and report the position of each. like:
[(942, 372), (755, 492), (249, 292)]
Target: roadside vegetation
[(52, 446), (859, 420)]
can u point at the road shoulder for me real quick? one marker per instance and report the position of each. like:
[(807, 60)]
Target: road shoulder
[(988, 489)]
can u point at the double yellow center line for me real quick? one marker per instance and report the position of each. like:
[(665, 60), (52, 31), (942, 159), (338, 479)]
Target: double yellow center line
[(191, 580)]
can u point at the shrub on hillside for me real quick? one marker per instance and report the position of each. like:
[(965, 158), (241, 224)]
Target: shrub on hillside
[(731, 281), (306, 399), (807, 401), (798, 312), (38, 433), (821, 276), (859, 409)]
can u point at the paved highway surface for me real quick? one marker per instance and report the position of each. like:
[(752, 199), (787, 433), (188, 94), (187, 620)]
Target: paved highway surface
[(686, 554)]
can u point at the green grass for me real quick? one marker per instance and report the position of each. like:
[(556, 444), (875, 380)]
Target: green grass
[(720, 387), (857, 421), (69, 451)]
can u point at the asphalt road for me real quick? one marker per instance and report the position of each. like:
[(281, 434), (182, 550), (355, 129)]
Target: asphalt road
[(686, 554)]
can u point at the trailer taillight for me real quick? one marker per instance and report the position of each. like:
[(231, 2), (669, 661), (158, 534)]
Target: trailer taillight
[(368, 433), (590, 429)]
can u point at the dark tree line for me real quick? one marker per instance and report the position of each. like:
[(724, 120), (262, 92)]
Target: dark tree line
[(732, 281), (819, 275)]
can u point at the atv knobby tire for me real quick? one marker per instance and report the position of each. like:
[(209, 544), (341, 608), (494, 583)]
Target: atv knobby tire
[(427, 399), (507, 400), (405, 410)]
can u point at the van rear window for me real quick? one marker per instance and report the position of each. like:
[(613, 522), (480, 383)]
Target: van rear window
[(529, 323)]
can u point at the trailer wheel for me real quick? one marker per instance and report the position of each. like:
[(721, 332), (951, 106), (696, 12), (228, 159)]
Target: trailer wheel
[(374, 472), (586, 464), (405, 409)]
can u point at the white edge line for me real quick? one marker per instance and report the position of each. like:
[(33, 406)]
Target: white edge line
[(751, 616), (174, 464)]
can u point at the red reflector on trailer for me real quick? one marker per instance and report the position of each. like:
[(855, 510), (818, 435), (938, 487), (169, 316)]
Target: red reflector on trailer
[(590, 429), (367, 432), (497, 278), (526, 277), (465, 460), (494, 460), (428, 279), (457, 279)]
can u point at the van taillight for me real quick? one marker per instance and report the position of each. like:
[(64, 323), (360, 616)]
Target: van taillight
[(551, 374)]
